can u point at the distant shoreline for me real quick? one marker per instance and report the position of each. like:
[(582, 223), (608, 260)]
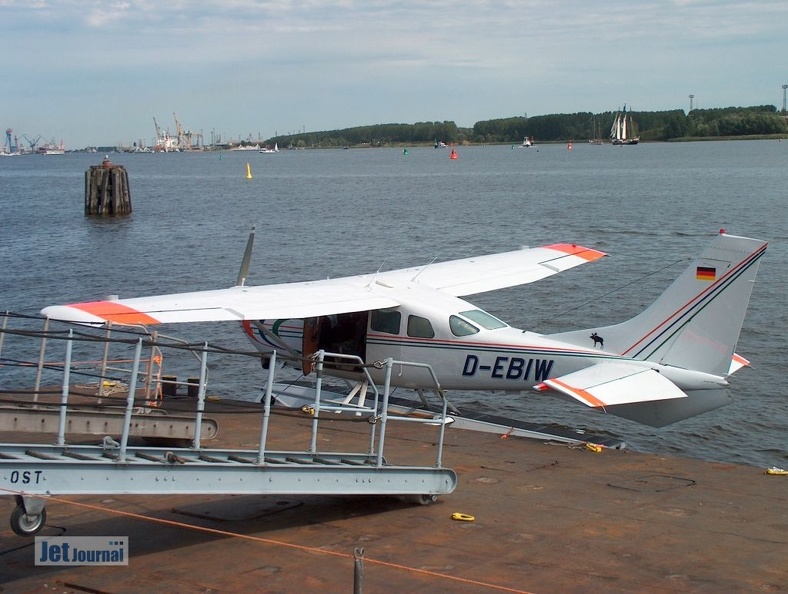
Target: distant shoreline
[(404, 145)]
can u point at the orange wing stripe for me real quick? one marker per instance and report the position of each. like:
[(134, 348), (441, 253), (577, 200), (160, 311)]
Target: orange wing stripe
[(577, 250), (741, 360), (587, 396), (115, 312)]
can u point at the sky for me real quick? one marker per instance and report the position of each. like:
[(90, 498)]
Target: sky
[(96, 73)]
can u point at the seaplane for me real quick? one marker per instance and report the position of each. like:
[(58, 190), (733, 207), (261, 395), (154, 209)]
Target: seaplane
[(670, 362)]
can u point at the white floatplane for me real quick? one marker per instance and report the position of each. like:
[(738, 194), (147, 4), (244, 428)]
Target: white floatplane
[(668, 363)]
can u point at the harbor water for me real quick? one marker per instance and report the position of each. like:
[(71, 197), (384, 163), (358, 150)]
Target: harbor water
[(328, 213)]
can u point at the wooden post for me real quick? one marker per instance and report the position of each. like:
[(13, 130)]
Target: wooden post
[(107, 190)]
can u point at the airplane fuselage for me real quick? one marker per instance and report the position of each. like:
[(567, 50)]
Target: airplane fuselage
[(505, 359), (667, 363), (467, 348)]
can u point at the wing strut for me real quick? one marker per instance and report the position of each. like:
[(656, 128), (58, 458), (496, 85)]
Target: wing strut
[(243, 273)]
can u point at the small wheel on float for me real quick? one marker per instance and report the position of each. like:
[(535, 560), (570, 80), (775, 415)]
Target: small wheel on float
[(423, 499), (25, 524)]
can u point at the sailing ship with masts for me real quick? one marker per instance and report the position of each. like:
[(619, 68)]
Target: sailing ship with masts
[(595, 132), (623, 131)]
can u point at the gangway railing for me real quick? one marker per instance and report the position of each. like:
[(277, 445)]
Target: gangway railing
[(380, 406), (103, 365), (30, 471)]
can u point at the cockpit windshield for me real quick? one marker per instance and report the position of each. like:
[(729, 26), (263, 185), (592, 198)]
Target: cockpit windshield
[(484, 319)]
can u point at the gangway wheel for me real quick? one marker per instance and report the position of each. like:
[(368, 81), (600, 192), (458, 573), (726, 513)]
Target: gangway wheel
[(25, 524), (420, 499)]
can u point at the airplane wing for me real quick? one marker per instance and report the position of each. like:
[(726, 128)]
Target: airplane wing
[(331, 296), (610, 384), (271, 302), (470, 276)]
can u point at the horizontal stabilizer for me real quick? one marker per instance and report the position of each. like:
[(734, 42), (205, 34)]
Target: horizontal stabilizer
[(737, 362), (610, 384), (660, 413)]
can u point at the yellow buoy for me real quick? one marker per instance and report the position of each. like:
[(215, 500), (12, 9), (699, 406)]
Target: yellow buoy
[(248, 171)]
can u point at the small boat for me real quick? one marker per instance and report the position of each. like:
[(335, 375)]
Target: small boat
[(440, 144), (623, 130), (267, 150), (52, 149), (527, 142)]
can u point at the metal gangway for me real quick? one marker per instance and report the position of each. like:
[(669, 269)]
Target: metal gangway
[(31, 408), (33, 471)]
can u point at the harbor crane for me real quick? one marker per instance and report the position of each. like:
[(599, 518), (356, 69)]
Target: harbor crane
[(159, 138), (163, 140), (178, 131), (32, 143), (187, 140), (11, 143)]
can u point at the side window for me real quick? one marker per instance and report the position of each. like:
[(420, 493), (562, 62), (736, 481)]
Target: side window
[(484, 319), (460, 327), (419, 327), (385, 320)]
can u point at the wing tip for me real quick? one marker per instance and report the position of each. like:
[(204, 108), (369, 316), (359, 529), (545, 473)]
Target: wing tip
[(67, 313), (98, 312), (573, 249)]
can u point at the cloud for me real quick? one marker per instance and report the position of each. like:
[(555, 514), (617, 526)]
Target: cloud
[(107, 12), (276, 65)]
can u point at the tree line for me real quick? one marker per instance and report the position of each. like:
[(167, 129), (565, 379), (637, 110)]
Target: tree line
[(376, 135), (650, 126)]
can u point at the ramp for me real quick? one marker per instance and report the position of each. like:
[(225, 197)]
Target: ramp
[(32, 471), (296, 396), (87, 422)]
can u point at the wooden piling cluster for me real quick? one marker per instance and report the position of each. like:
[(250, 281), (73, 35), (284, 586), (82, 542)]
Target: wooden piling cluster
[(107, 190)]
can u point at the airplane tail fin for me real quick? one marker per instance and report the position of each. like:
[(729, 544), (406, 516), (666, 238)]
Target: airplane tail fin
[(695, 323)]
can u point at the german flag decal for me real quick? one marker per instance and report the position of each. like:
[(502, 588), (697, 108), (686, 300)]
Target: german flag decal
[(705, 273)]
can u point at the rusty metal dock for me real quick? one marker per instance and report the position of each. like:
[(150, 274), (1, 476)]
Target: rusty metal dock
[(526, 516), (547, 518)]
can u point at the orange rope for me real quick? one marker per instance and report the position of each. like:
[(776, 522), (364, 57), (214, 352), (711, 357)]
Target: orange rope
[(276, 542)]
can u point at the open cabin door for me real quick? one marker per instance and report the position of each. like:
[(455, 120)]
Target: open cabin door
[(309, 343), (341, 333)]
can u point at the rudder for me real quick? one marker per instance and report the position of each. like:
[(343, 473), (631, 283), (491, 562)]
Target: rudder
[(696, 322)]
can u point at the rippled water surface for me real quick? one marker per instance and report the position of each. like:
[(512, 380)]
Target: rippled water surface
[(337, 212)]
